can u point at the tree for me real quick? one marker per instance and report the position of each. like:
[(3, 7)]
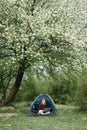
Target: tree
[(35, 33)]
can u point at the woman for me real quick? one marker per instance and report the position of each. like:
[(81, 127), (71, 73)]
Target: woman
[(42, 106)]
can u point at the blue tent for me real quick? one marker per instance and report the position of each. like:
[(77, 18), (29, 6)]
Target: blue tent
[(49, 104)]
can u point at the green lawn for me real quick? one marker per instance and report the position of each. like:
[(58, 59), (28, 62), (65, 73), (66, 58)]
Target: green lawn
[(68, 118)]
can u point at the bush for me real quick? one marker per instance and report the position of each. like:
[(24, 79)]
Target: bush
[(28, 90), (81, 94), (63, 92), (42, 86)]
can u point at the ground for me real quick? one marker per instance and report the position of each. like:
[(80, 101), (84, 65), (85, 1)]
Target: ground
[(8, 114), (67, 118)]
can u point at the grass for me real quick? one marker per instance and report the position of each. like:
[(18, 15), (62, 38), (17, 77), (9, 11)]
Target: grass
[(68, 118)]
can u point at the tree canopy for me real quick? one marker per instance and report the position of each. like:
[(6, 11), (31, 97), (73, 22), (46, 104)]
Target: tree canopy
[(43, 33)]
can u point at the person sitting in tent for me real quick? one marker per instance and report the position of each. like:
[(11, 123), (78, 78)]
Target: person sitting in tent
[(43, 104), (42, 108)]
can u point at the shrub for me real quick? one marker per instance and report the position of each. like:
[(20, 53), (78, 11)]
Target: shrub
[(63, 92), (81, 94), (30, 90)]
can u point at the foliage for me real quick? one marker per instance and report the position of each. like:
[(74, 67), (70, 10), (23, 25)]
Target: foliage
[(63, 90), (6, 77), (39, 33), (32, 87), (81, 93), (28, 90)]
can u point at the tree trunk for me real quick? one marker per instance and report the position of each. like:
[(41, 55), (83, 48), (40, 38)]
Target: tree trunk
[(16, 86)]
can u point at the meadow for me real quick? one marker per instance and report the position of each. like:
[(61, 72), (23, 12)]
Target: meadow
[(67, 118)]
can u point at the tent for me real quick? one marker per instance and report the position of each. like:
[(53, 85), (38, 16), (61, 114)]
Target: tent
[(49, 104)]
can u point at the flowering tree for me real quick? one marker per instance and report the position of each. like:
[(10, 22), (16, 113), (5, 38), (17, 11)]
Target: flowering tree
[(37, 32)]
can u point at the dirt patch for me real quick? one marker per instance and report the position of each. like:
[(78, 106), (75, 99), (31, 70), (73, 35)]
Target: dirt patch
[(7, 108), (8, 114)]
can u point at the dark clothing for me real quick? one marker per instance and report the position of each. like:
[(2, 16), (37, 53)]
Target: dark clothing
[(41, 107)]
